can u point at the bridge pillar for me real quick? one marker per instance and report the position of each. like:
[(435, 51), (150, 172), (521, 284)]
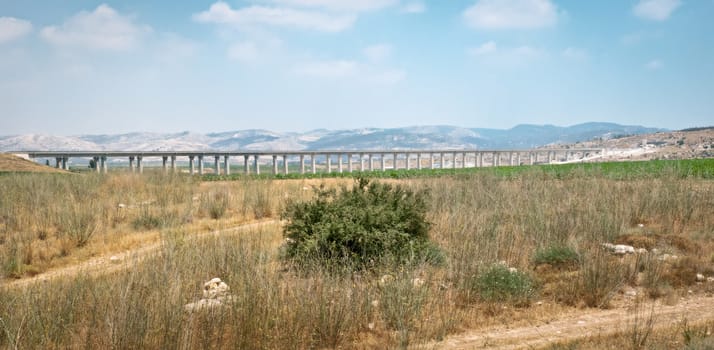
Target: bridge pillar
[(395, 159), (419, 161), (217, 165), (382, 162), (285, 164), (256, 164), (140, 164), (431, 161), (480, 159), (131, 164), (164, 160), (190, 165), (226, 165), (453, 160), (302, 164), (349, 162), (275, 164), (313, 163), (173, 164), (96, 169), (463, 160), (104, 164), (57, 162), (510, 158), (407, 161), (441, 161), (518, 158), (329, 162), (361, 162), (339, 162), (246, 165), (200, 164), (496, 159), (371, 163)]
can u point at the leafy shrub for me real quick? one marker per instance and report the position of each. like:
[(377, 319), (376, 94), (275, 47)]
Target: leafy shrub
[(501, 284), (368, 225), (560, 256)]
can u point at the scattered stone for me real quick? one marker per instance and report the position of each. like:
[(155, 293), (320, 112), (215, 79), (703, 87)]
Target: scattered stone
[(512, 270), (700, 278), (121, 206), (215, 294), (619, 249), (114, 259), (417, 282), (375, 303), (370, 326), (641, 251), (539, 303), (665, 257), (640, 225), (710, 279)]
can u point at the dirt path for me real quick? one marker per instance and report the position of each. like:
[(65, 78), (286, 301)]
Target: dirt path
[(588, 323), (114, 262)]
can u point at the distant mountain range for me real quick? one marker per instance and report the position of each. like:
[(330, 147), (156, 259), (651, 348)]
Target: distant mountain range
[(416, 137)]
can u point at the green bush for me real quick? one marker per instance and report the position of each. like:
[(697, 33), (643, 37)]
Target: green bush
[(369, 225), (557, 256), (501, 284)]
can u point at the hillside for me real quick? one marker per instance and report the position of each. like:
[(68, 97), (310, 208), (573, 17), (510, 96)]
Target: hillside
[(415, 137), (12, 163)]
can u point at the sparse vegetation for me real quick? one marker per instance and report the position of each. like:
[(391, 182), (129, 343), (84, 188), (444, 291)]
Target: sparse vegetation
[(536, 220)]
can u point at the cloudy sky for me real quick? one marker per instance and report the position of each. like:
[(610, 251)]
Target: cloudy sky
[(84, 66)]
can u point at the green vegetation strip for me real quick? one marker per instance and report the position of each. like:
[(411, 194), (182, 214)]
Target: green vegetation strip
[(689, 168)]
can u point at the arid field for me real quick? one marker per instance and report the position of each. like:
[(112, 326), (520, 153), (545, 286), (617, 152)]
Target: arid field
[(112, 261)]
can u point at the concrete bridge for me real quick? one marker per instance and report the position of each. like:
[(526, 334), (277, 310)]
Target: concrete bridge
[(329, 161)]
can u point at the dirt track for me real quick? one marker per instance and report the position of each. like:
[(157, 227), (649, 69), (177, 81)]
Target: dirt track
[(590, 322), (104, 264)]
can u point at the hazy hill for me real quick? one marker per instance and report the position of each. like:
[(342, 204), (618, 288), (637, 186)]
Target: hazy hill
[(415, 137)]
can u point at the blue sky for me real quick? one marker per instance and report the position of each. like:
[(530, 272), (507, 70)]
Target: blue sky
[(82, 66)]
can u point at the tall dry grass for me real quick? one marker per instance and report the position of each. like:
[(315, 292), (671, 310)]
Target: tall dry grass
[(478, 220)]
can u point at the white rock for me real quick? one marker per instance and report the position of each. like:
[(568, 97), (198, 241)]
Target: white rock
[(114, 259), (370, 325), (375, 303), (700, 278), (512, 270), (203, 304), (121, 206), (710, 279), (385, 279), (622, 249), (417, 282), (640, 225)]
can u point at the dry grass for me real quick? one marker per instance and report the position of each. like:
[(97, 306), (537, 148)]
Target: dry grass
[(14, 164), (478, 220)]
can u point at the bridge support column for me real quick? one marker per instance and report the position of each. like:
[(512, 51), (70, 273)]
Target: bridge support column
[(302, 164), (275, 164), (453, 160), (200, 165), (131, 164), (431, 160), (349, 162), (285, 164), (173, 164), (313, 163), (371, 163), (361, 162), (190, 165), (329, 162), (382, 162), (339, 163), (419, 161), (496, 159), (256, 164), (518, 158), (96, 165), (217, 165), (226, 165), (58, 161), (463, 160), (480, 160), (395, 159), (510, 158), (164, 160), (140, 164), (246, 165), (406, 161), (104, 164), (441, 161)]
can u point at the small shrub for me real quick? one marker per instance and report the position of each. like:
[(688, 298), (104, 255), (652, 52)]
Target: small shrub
[(499, 283), (79, 224), (368, 225), (216, 204), (147, 221), (601, 277), (559, 256)]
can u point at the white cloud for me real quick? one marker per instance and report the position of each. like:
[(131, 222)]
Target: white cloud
[(253, 51), (485, 49), (654, 65), (340, 5), (103, 29), (377, 53), (575, 53), (173, 48), (511, 14), (656, 10), (350, 70), (414, 7), (13, 28), (220, 12)]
